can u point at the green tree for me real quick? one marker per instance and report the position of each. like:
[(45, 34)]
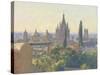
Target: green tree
[(89, 58), (65, 39), (80, 34), (84, 66)]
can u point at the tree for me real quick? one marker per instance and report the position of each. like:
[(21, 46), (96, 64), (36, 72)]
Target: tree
[(65, 38), (89, 58), (84, 66), (80, 34)]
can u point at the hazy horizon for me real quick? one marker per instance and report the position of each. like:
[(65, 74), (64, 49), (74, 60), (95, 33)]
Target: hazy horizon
[(43, 16)]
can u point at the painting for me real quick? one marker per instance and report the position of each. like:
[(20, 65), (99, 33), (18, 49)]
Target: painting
[(51, 37)]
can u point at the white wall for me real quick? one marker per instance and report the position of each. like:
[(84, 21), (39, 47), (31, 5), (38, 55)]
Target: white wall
[(5, 36)]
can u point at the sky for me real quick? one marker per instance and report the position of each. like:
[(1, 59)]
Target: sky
[(46, 16)]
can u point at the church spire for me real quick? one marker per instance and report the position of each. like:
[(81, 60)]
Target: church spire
[(25, 36), (57, 28), (35, 30), (63, 19), (25, 30), (47, 32)]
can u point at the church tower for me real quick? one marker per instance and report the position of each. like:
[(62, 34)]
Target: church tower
[(62, 32), (25, 36), (36, 36), (85, 34), (46, 36)]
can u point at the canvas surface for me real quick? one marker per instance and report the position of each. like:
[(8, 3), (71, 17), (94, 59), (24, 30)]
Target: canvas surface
[(49, 37)]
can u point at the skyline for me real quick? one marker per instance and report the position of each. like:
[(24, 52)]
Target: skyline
[(43, 16)]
